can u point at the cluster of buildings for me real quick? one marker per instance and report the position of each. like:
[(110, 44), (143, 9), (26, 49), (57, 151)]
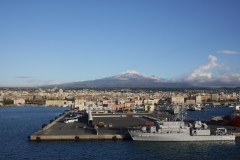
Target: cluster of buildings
[(123, 99)]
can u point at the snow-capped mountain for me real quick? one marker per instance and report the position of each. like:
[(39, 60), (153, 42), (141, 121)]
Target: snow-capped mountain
[(132, 74), (128, 79)]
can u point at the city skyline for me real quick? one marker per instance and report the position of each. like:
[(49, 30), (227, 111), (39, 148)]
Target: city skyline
[(54, 42)]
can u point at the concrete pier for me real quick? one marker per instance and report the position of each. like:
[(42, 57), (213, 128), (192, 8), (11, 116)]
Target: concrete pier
[(58, 130), (115, 127), (78, 137)]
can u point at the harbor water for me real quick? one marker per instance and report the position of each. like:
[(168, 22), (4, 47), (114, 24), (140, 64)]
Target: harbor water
[(208, 113), (17, 123)]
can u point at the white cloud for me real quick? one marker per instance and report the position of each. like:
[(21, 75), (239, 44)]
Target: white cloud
[(201, 71), (227, 52), (203, 75), (230, 79)]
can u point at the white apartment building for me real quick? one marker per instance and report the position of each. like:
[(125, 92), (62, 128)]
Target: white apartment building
[(56, 102), (60, 92), (19, 101), (80, 104), (151, 101), (215, 97), (234, 94), (176, 100), (138, 103), (149, 104), (198, 99)]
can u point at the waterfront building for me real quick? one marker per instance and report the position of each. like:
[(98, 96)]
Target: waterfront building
[(228, 97), (176, 100), (152, 101), (234, 94), (190, 101), (215, 97), (56, 102), (19, 101), (60, 92), (69, 103), (204, 98), (149, 107), (116, 106), (128, 105), (138, 103), (106, 102), (1, 98), (198, 99), (80, 104)]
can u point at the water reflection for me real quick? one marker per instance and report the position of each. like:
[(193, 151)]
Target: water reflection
[(189, 150)]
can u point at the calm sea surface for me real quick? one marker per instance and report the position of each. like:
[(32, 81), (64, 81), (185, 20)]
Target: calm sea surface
[(17, 123)]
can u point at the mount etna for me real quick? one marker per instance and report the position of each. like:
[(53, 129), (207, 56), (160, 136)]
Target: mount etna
[(128, 79)]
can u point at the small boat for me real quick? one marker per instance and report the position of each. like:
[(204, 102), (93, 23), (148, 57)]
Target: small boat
[(196, 107), (231, 119), (216, 119)]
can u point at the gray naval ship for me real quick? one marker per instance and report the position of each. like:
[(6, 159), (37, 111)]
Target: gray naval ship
[(180, 131)]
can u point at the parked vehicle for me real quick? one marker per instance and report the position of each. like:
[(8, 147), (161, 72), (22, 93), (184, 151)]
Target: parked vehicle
[(71, 120), (99, 124)]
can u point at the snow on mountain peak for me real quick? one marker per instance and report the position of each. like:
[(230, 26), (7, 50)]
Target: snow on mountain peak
[(131, 72), (134, 74)]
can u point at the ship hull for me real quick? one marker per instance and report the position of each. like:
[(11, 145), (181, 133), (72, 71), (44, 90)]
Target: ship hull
[(235, 121), (136, 136)]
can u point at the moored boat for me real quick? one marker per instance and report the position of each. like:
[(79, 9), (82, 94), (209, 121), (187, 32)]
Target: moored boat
[(216, 119), (196, 107), (180, 131), (233, 119)]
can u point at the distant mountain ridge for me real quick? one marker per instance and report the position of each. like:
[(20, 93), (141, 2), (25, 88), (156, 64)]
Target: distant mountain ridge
[(128, 79)]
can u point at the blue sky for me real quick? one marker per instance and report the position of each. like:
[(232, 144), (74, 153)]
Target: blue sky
[(58, 41)]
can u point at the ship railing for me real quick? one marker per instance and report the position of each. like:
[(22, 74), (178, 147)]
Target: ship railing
[(181, 115)]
